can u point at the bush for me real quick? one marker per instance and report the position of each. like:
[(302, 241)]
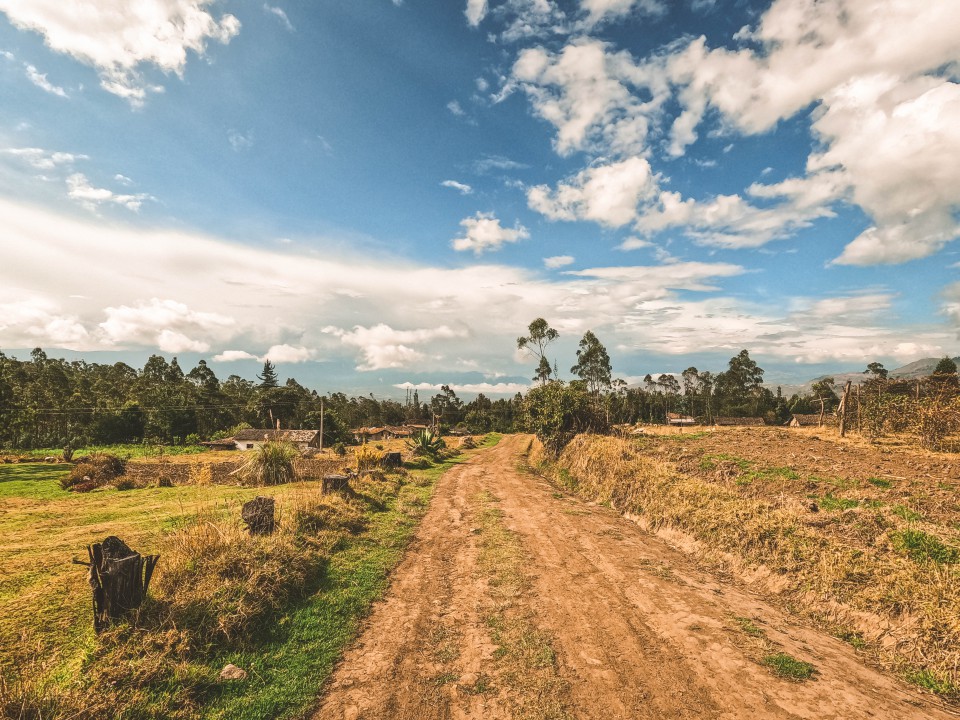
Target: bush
[(426, 444), (368, 459), (339, 449), (272, 463), (94, 470), (556, 412)]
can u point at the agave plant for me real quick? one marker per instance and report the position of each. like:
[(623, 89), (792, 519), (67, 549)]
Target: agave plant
[(426, 444), (272, 463)]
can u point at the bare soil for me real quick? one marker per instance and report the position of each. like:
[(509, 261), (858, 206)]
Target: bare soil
[(622, 625)]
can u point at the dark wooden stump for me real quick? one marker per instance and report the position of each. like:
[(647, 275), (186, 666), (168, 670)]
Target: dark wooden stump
[(119, 578), (258, 514), (391, 460), (335, 482)]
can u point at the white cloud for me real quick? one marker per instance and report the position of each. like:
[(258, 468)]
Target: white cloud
[(476, 11), (454, 107), (460, 187), (496, 162), (530, 18), (27, 322), (240, 141), (607, 194), (44, 159), (40, 80), (483, 232), (383, 347), (601, 10), (485, 388), (91, 197), (234, 356), (288, 354), (120, 38), (634, 243), (280, 14), (586, 92), (166, 324), (558, 261)]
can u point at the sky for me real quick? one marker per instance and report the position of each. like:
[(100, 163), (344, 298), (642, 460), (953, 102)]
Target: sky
[(383, 194)]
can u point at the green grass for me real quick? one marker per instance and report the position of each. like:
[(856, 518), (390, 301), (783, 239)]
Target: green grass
[(749, 627), (882, 483), (42, 593), (922, 547), (788, 667), (854, 638), (906, 513), (829, 502), (933, 682), (127, 451), (32, 480)]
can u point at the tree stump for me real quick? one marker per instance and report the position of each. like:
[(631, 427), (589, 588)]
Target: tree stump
[(119, 578), (258, 514), (391, 460), (335, 482)]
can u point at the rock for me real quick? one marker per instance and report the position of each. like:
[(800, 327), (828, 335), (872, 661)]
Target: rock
[(232, 672), (258, 514), (814, 507), (391, 460)]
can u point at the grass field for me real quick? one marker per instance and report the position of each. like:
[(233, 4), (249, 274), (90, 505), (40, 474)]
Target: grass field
[(46, 631)]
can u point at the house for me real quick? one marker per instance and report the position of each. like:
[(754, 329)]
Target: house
[(369, 434), (252, 438), (398, 431), (813, 420), (738, 421), (225, 444), (678, 419)]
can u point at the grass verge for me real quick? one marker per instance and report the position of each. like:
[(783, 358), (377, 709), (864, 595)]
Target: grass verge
[(282, 608)]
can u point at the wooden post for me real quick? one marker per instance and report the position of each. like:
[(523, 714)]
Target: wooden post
[(321, 422), (119, 578), (259, 515), (859, 412), (843, 409)]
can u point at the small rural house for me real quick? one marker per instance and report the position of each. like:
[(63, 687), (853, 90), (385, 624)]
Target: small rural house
[(251, 438), (738, 421), (681, 420)]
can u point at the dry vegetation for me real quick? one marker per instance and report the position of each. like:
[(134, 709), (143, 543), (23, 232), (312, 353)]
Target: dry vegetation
[(863, 541)]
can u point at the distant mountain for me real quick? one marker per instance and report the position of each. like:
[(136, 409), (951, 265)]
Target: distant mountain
[(916, 369)]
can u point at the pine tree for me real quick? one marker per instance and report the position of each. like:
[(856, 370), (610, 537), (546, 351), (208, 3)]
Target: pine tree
[(268, 378)]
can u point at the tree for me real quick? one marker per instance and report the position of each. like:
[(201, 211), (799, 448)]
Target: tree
[(946, 366), (824, 394), (541, 335), (268, 378), (877, 370), (593, 363)]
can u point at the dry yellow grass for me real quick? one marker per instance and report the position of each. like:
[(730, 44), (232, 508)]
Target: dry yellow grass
[(850, 569)]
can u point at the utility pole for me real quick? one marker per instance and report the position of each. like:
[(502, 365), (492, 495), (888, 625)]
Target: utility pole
[(321, 422)]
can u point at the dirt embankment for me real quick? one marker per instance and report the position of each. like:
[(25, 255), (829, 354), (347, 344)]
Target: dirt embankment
[(517, 600)]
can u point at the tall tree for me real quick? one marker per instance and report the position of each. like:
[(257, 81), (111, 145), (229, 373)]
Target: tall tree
[(541, 335), (946, 366), (593, 363), (268, 378), (877, 370)]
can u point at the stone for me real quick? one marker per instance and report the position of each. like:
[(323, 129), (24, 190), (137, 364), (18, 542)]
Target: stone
[(232, 672)]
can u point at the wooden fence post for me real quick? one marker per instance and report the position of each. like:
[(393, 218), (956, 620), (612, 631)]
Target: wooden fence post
[(119, 578), (843, 409)]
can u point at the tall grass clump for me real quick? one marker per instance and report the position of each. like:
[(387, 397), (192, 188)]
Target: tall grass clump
[(272, 463), (93, 471)]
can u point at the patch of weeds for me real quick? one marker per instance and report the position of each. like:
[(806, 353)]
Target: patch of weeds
[(558, 496), (773, 473), (747, 626), (482, 686), (854, 638), (829, 502), (933, 682), (445, 679), (880, 482), (786, 666), (923, 547), (906, 513)]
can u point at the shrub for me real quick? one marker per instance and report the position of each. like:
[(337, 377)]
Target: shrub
[(339, 449), (272, 463), (96, 469), (368, 459), (426, 444)]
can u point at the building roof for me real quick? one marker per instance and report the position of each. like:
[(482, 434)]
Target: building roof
[(808, 419), (294, 436)]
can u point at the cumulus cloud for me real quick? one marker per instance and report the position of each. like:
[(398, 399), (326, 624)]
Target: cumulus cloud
[(44, 159), (601, 10), (121, 38), (454, 107), (476, 11), (91, 197), (524, 19), (607, 194), (166, 324), (27, 322), (288, 354), (558, 261), (383, 347), (234, 356), (483, 232), (460, 187)]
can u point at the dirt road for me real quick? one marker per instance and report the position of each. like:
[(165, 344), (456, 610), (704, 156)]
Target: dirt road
[(517, 601)]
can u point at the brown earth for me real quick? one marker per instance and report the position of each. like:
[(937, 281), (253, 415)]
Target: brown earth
[(604, 621)]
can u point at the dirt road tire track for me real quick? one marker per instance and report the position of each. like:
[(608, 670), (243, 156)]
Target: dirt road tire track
[(638, 630)]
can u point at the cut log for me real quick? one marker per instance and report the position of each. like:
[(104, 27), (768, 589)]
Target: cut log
[(391, 460), (259, 515), (119, 578), (335, 482)]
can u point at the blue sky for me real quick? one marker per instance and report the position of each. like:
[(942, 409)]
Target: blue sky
[(375, 194)]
